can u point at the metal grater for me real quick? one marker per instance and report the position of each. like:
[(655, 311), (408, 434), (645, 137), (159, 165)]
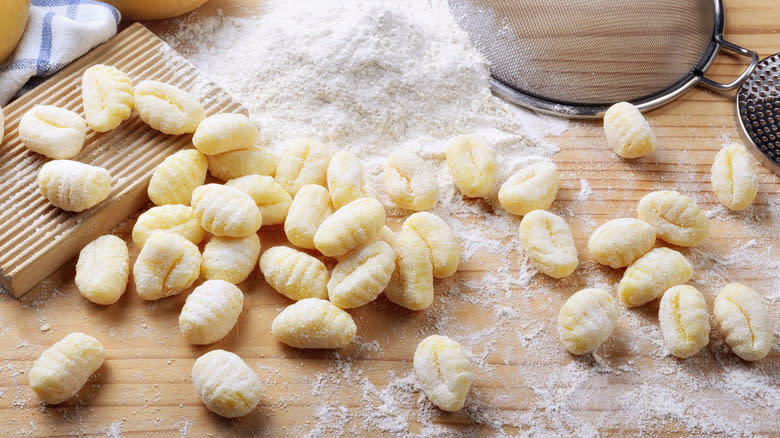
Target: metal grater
[(759, 111)]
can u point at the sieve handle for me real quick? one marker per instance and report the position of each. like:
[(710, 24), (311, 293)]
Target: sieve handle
[(734, 49)]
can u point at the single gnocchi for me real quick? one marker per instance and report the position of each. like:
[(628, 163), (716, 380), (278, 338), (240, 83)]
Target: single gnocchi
[(627, 131), (440, 240), (230, 258), (361, 275), (51, 131), (549, 242), (62, 369), (269, 196), (409, 182), (347, 180), (167, 108), (103, 269), (107, 93), (472, 164), (444, 372), (223, 133), (314, 323), (73, 186), (349, 227), (173, 218), (176, 177), (306, 162), (226, 384), (225, 211), (652, 274), (744, 322), (167, 265), (587, 319), (294, 273), (411, 285), (235, 164), (675, 217), (532, 188), (734, 177), (685, 322), (617, 243), (210, 312), (310, 207)]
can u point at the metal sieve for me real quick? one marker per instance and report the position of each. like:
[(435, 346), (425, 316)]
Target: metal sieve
[(759, 111)]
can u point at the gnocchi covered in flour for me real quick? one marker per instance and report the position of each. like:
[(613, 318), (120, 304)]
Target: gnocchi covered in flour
[(167, 108), (225, 211), (309, 208), (652, 274), (744, 321), (176, 177), (173, 218), (235, 164), (103, 269), (549, 242), (444, 372), (440, 240), (627, 131), (361, 275), (617, 243), (734, 177), (685, 322), (107, 93), (409, 182), (54, 132), (411, 285), (587, 319), (314, 323), (472, 164), (73, 186), (226, 384), (62, 369), (532, 188), (294, 273), (167, 265), (210, 312), (223, 133), (230, 258), (349, 227), (675, 217), (306, 162), (271, 198), (347, 180)]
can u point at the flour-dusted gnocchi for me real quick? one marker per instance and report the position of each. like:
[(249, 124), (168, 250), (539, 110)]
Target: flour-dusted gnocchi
[(627, 131), (734, 177), (306, 162), (587, 319), (269, 196), (230, 258), (314, 323), (439, 238), (294, 273), (347, 180), (652, 274), (167, 265), (73, 186), (685, 323), (361, 275), (235, 164), (409, 182), (225, 132), (444, 372), (472, 164), (349, 227), (173, 218), (744, 322), (675, 217), (226, 384), (549, 242), (310, 207), (617, 243), (103, 269), (166, 108), (411, 285), (176, 177), (62, 369), (107, 93), (52, 131), (532, 188), (210, 312), (225, 211)]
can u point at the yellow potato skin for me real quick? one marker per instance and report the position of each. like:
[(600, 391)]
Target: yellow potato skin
[(13, 20), (154, 9)]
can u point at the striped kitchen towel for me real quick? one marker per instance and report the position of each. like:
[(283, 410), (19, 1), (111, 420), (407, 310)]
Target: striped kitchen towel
[(58, 31)]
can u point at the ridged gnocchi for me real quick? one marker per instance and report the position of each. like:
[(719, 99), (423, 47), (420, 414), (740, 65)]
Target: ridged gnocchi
[(306, 162), (73, 186), (347, 180), (107, 93), (440, 240), (675, 217), (294, 273), (361, 275), (103, 269), (223, 133), (444, 372), (685, 322), (532, 188), (309, 208), (617, 243), (210, 312), (744, 322), (62, 369), (51, 131), (587, 319), (314, 323), (225, 211), (734, 177), (173, 218), (411, 285), (226, 384), (409, 182), (167, 265), (549, 242), (230, 258), (349, 227), (235, 164), (269, 196), (176, 177), (472, 164), (167, 108), (652, 274), (627, 131)]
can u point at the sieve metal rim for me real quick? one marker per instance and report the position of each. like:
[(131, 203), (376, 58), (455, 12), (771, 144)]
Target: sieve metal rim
[(773, 164)]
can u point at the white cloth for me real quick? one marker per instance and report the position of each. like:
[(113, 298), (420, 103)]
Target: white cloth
[(58, 31)]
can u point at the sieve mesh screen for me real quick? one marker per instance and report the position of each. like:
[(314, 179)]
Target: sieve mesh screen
[(758, 106)]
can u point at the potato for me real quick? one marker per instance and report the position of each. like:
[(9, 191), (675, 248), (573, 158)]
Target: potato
[(13, 20)]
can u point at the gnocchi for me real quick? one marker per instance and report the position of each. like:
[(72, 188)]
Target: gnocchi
[(734, 177), (444, 372), (675, 217), (349, 227), (310, 207), (472, 164), (103, 269), (409, 182), (549, 242), (361, 275), (269, 196), (587, 319), (176, 177), (62, 369), (744, 322), (52, 131), (173, 218), (107, 94), (231, 259), (223, 133), (306, 162), (627, 131), (314, 323), (210, 312), (652, 274), (411, 285), (166, 108), (532, 188), (167, 265), (440, 240), (235, 164), (226, 384), (685, 323), (617, 243), (347, 181), (73, 186), (294, 274), (225, 211)]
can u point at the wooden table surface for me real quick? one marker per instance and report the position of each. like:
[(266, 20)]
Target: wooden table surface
[(526, 383)]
